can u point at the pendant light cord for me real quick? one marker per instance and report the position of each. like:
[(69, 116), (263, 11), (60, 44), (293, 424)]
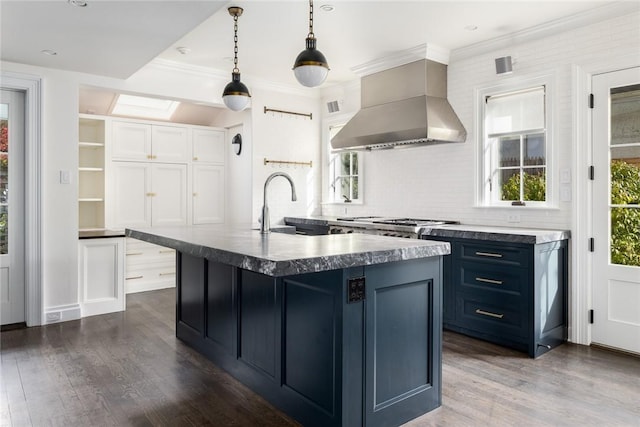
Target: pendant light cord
[(235, 44), (311, 35)]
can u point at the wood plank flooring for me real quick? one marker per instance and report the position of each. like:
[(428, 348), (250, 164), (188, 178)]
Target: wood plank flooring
[(128, 369)]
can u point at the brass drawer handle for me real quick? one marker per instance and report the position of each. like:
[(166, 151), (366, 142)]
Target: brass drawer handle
[(134, 277), (166, 251), (489, 254), (134, 253), (493, 282), (195, 159), (151, 194), (167, 274), (488, 313)]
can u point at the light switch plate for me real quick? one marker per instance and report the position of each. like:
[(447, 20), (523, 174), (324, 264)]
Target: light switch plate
[(565, 176), (65, 177)]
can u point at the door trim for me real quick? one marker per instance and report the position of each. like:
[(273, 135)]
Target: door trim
[(32, 86)]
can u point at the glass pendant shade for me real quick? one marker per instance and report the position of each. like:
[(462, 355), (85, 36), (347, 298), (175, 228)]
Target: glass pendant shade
[(311, 68), (236, 95)]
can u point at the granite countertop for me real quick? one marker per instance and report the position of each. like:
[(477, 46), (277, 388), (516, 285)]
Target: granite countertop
[(280, 254), (498, 234), (465, 231)]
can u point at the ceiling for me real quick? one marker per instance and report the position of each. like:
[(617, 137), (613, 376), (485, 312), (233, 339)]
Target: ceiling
[(116, 38)]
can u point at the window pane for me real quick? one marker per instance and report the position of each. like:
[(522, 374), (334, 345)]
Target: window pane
[(345, 164), (509, 151), (625, 239), (354, 160), (345, 187), (625, 175), (509, 184), (625, 110), (535, 183), (534, 150), (354, 187)]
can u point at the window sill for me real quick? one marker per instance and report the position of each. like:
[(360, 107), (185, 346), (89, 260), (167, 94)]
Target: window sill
[(339, 203), (520, 208)]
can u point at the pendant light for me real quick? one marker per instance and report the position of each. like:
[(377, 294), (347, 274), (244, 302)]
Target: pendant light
[(235, 95), (311, 66)]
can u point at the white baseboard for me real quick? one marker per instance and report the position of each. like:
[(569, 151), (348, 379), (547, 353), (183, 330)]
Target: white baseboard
[(61, 313)]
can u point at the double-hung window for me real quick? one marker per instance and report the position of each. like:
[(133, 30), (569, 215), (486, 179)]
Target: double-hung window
[(344, 173), (515, 148)]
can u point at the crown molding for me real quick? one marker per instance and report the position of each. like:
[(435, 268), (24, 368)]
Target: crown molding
[(423, 51), (211, 73), (557, 26)]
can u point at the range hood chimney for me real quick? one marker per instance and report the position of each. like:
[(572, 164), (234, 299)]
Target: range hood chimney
[(402, 106)]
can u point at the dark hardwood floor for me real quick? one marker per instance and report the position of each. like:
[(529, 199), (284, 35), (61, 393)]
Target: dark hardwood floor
[(129, 369)]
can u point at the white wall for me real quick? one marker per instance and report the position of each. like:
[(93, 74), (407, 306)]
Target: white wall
[(439, 181), (60, 91), (286, 137)]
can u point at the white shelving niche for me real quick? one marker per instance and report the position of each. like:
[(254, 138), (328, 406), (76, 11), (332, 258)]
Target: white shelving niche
[(91, 173)]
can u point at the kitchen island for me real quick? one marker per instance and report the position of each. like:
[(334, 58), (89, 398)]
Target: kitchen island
[(335, 330)]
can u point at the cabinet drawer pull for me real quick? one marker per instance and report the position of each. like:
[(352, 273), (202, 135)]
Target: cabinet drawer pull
[(489, 254), (488, 313), (133, 253), (149, 156), (151, 194), (165, 251), (195, 159), (134, 277), (167, 274), (493, 282)]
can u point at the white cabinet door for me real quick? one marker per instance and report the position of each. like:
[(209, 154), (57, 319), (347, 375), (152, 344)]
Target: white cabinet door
[(169, 194), (208, 146), (131, 141), (101, 275), (131, 194), (169, 144), (208, 194)]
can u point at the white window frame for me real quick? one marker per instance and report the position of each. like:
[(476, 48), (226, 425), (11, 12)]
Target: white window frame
[(331, 196), (485, 154)]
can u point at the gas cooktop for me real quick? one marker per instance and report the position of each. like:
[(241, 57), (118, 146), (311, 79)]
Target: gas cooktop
[(409, 222)]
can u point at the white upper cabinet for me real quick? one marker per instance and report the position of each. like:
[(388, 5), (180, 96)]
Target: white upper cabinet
[(131, 141), (169, 144), (208, 146), (147, 142)]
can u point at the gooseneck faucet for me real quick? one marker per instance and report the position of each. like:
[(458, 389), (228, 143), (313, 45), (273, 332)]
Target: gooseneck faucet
[(265, 226)]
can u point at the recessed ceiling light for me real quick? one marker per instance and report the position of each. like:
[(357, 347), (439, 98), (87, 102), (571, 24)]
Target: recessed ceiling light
[(327, 7), (49, 52), (471, 27), (78, 3)]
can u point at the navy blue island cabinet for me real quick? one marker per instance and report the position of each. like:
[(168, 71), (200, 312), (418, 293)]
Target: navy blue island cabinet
[(357, 346)]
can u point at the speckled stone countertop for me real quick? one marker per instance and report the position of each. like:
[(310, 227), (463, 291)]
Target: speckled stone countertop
[(498, 234), (280, 254), (464, 231)]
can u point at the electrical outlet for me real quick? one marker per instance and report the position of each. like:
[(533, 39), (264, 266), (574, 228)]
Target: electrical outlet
[(514, 217), (65, 177), (53, 317)]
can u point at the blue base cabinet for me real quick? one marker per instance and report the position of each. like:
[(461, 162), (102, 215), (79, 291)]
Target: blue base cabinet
[(512, 294), (304, 346)]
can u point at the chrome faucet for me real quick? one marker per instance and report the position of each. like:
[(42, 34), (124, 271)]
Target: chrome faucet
[(265, 226)]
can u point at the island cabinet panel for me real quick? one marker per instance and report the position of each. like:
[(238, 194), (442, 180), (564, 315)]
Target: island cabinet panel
[(221, 309), (312, 338), (259, 319), (403, 323), (191, 293)]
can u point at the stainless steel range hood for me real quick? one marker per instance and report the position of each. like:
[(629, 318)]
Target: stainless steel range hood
[(402, 106)]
